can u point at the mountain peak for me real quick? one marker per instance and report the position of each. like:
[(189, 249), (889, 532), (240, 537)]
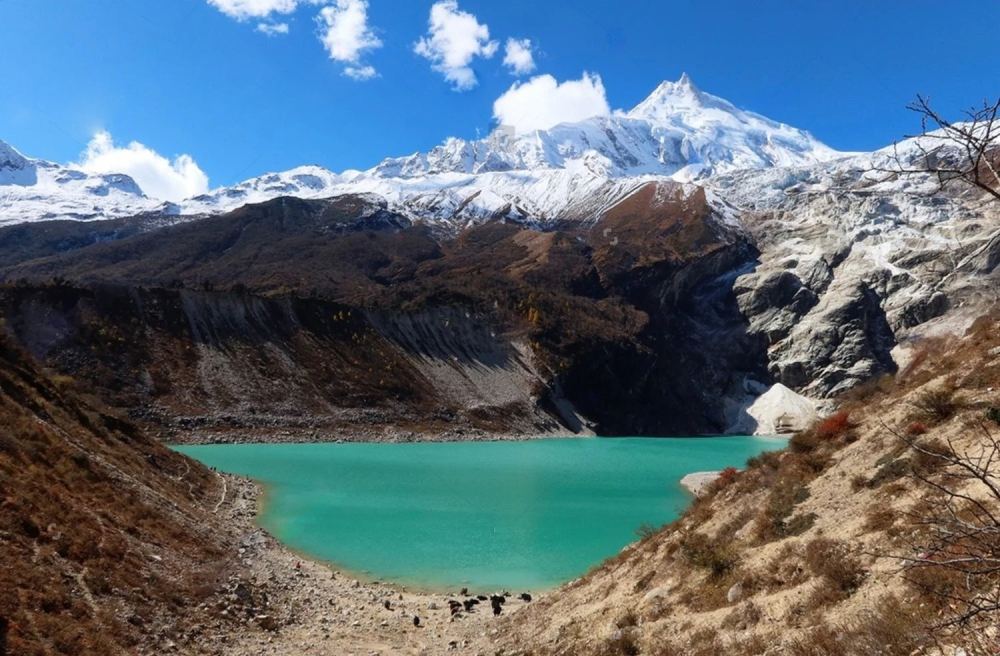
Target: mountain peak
[(672, 97), (684, 85), (10, 157)]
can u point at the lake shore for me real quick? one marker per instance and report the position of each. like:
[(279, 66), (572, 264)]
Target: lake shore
[(697, 482), (307, 607)]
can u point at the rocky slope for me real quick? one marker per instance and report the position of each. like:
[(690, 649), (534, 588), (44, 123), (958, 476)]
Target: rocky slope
[(855, 260), (675, 298), (805, 551), (341, 318)]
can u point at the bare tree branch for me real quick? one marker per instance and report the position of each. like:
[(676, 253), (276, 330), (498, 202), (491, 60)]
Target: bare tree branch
[(966, 152)]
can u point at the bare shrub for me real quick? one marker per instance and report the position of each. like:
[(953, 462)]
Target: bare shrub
[(646, 531), (781, 503), (955, 559), (938, 404), (892, 629), (702, 551), (841, 571), (835, 426)]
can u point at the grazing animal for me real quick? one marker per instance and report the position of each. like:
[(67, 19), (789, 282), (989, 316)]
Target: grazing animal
[(469, 603), (416, 621), (482, 597), (387, 604), (526, 597), (465, 592), (497, 602)]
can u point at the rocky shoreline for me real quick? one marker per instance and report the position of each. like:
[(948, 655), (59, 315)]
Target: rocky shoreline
[(697, 482), (358, 435), (293, 606)]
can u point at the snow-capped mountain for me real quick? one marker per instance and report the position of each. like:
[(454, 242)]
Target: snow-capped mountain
[(678, 131), (573, 169), (36, 190)]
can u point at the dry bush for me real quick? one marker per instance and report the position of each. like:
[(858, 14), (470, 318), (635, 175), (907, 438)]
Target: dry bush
[(627, 619), (880, 518), (805, 441), (646, 531), (933, 456), (955, 558), (937, 404), (835, 426), (702, 551), (890, 472), (992, 415), (841, 571), (785, 496), (767, 460), (858, 482), (867, 393), (623, 643), (892, 630), (703, 642), (726, 478), (744, 616), (752, 645), (662, 648)]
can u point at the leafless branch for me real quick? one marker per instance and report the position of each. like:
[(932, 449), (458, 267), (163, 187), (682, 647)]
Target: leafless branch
[(966, 152)]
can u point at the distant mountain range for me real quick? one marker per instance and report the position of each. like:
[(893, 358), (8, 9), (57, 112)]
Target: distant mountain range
[(679, 132)]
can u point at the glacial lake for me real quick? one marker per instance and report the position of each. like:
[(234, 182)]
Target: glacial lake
[(488, 516)]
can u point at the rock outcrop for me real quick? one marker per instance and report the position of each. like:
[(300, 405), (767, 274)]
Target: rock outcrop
[(854, 261)]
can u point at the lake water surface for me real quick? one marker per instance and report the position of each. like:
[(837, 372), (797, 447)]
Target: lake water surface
[(516, 515)]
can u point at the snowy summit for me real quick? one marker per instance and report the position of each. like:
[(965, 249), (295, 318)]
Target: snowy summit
[(679, 132)]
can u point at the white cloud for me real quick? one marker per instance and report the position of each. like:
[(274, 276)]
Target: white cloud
[(246, 9), (453, 40), (542, 102), (157, 176), (519, 57), (346, 35), (361, 73), (273, 29)]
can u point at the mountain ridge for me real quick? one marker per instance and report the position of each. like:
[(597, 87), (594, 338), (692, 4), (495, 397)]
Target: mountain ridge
[(679, 132)]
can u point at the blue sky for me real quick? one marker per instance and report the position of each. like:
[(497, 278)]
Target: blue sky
[(190, 77)]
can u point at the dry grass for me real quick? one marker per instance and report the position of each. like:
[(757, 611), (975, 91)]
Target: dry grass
[(841, 572), (82, 508), (893, 629)]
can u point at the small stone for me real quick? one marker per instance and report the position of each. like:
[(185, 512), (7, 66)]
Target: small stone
[(735, 593)]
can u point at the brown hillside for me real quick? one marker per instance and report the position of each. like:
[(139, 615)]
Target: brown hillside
[(805, 552), (107, 539)]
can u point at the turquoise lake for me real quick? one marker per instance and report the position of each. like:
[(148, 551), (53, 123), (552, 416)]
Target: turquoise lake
[(515, 515)]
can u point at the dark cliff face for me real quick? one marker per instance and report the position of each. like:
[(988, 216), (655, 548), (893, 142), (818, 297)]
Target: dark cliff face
[(315, 318)]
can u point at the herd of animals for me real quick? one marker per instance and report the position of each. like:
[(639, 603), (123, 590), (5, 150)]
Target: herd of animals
[(470, 602)]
